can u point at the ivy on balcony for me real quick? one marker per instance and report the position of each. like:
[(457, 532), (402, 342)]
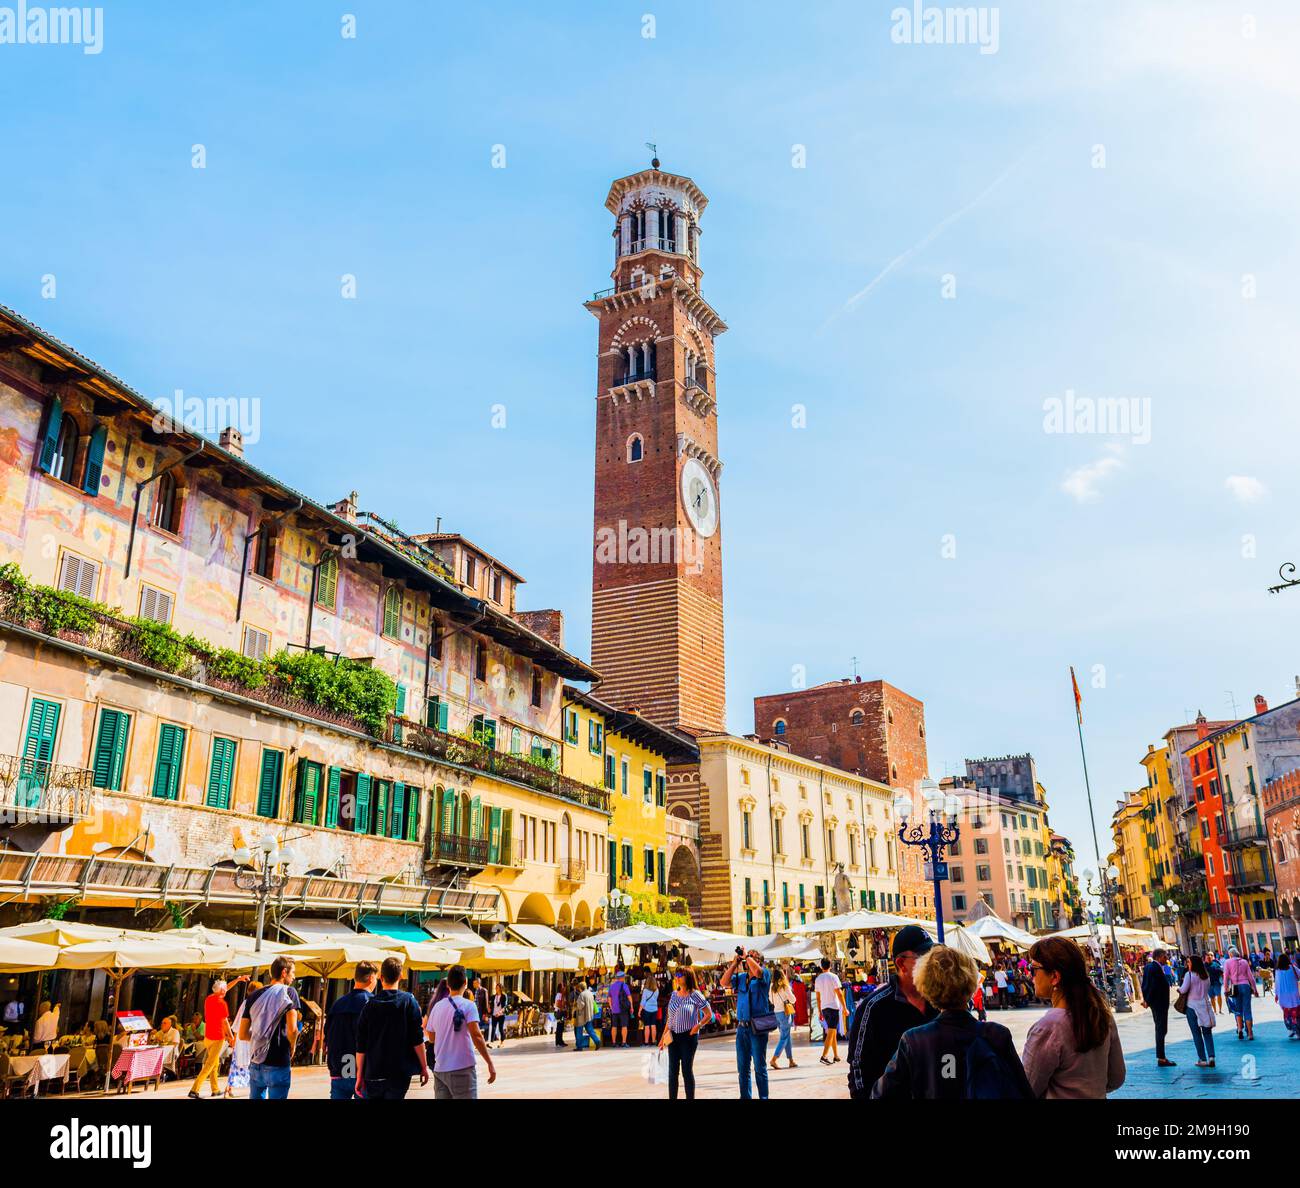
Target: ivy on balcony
[(342, 691)]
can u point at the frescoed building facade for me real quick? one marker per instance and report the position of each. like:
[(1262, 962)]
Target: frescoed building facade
[(407, 747)]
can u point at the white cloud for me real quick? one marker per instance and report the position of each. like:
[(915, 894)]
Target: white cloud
[(1244, 488), (1082, 483)]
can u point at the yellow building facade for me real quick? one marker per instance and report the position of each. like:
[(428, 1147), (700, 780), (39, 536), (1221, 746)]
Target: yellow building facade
[(628, 756)]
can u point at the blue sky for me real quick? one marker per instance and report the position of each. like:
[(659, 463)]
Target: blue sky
[(925, 414)]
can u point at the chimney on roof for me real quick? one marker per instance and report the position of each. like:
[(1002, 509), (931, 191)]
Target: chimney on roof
[(1202, 727), (347, 508), (232, 441), (1261, 706)]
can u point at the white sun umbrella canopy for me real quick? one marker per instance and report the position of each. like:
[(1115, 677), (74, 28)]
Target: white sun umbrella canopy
[(24, 956), (991, 928), (72, 932), (633, 934), (507, 957), (1133, 938), (959, 937), (862, 920)]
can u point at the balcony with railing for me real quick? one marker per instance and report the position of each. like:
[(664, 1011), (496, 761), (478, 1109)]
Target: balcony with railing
[(1190, 866), (469, 752), (1249, 833), (573, 870), (457, 849), (33, 792), (682, 828), (1254, 877)]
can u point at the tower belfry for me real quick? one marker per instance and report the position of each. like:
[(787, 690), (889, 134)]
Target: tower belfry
[(657, 635)]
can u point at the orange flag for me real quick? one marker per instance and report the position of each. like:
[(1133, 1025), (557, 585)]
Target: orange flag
[(1078, 699)]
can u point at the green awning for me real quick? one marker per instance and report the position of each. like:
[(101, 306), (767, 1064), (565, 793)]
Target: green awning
[(395, 927)]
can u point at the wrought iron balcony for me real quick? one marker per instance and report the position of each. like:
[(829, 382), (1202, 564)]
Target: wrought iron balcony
[(1253, 879), (456, 849), (1248, 834), (633, 378), (1223, 909), (1190, 866), (466, 752), (36, 793)]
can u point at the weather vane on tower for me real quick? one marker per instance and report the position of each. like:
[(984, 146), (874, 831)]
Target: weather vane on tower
[(654, 154)]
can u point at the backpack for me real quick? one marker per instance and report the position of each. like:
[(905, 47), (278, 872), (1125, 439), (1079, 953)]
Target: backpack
[(987, 1074)]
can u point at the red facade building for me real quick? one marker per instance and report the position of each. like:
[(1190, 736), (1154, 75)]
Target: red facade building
[(1206, 796)]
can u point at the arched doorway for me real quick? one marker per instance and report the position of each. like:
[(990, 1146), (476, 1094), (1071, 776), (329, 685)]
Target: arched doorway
[(564, 921), (581, 919), (684, 881), (536, 909)]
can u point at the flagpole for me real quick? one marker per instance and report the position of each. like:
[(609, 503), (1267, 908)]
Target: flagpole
[(1117, 991)]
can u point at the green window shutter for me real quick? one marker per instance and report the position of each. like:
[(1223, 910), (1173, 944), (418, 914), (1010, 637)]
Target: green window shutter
[(393, 613), (397, 817), (110, 750), (401, 700), (381, 807), (647, 781), (221, 773), (476, 817), (494, 835), (167, 771), (308, 791), (489, 734), (507, 835), (442, 715), (327, 582), (413, 799), (95, 460), (448, 811), (38, 751), (51, 442), (661, 798), (361, 823), (432, 712), (332, 798), (268, 784), (610, 778)]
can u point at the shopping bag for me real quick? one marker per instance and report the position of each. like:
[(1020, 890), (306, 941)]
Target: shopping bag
[(654, 1066)]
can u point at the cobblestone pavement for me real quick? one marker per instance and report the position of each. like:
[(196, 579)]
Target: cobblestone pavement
[(534, 1068)]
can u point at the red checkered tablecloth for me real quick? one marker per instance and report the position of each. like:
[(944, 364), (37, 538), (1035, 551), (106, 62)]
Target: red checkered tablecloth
[(139, 1064)]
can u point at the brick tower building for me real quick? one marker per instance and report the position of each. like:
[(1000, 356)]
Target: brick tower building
[(656, 622), (867, 727)]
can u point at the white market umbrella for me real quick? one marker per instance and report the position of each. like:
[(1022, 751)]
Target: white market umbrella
[(70, 932), (633, 934), (333, 957), (992, 928), (1131, 938), (24, 956), (960, 938), (507, 957), (862, 920)]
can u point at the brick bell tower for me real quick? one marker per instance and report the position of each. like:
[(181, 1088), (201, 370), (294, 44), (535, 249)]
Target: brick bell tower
[(656, 622)]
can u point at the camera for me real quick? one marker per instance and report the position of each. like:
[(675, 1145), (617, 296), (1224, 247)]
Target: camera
[(740, 951)]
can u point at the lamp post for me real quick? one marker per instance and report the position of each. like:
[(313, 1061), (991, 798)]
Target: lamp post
[(1108, 893), (934, 835), (263, 880), (1169, 909), (618, 908)]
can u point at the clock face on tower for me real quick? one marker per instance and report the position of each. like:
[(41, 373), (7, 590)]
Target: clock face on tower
[(699, 497)]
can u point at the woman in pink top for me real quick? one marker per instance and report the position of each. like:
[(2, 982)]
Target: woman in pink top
[(1073, 1051), (1239, 983)]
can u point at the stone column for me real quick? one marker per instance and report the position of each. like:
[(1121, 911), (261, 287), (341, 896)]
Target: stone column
[(652, 227), (625, 235), (683, 244)]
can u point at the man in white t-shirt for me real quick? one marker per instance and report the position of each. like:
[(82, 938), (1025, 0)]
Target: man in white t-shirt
[(831, 1006), (1000, 978), (453, 1027)]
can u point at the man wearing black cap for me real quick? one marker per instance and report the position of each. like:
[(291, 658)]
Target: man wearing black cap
[(883, 1016)]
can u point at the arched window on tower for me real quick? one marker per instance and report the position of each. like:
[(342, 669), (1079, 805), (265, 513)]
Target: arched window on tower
[(778, 727), (635, 448), (855, 718)]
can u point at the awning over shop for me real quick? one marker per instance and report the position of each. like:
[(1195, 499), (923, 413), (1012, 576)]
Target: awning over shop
[(396, 927), (311, 930), (541, 935), (454, 932)]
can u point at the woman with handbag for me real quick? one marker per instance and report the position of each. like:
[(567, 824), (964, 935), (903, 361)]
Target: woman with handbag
[(1239, 981), (783, 1004), (688, 1011), (1194, 1002)]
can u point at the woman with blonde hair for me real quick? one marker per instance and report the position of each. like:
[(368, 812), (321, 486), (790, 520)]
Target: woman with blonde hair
[(1073, 1050), (783, 1006), (953, 1057)]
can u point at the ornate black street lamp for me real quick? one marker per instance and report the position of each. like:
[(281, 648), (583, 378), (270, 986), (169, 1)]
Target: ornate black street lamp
[(266, 879), (934, 835)]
